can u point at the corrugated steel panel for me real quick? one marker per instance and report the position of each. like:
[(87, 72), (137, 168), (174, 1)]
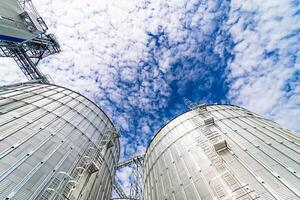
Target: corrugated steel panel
[(222, 152), (49, 139)]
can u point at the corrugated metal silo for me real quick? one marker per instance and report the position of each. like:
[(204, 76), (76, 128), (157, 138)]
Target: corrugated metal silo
[(54, 144), (222, 152)]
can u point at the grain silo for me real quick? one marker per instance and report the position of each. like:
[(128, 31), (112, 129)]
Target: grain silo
[(54, 144), (222, 152)]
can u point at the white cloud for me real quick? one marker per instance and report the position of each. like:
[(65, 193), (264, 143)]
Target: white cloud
[(266, 58), (121, 54)]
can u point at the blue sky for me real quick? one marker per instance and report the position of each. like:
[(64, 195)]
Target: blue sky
[(138, 59)]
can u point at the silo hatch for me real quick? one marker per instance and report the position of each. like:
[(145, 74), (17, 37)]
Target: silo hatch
[(209, 121), (220, 145), (92, 168)]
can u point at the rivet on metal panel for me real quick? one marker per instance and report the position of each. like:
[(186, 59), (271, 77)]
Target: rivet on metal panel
[(260, 179), (277, 175)]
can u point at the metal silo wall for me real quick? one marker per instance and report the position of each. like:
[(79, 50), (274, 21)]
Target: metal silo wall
[(54, 144), (222, 152)]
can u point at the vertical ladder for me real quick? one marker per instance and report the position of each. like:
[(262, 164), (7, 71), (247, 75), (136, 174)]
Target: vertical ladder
[(225, 185)]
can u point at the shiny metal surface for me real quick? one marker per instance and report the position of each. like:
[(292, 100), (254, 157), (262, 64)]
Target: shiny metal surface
[(54, 144), (12, 27), (222, 152)]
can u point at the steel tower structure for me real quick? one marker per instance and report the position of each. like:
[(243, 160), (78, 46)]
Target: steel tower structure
[(24, 37), (136, 188)]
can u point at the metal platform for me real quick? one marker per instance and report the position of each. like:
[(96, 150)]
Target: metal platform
[(24, 37)]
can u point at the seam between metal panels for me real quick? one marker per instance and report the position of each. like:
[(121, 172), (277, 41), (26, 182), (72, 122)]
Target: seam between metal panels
[(21, 84), (266, 126), (270, 130), (71, 168), (35, 169), (38, 117), (105, 187), (33, 93), (288, 132), (213, 157), (22, 160), (210, 106), (170, 144), (35, 87), (292, 171), (260, 140), (41, 86), (25, 103), (92, 187), (262, 133), (46, 180), (262, 164), (31, 103), (25, 157), (89, 121), (257, 147), (35, 108), (187, 119), (255, 136), (110, 122), (266, 186), (24, 139)]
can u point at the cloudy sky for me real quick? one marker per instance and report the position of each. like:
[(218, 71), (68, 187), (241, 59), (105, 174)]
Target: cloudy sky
[(138, 59)]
